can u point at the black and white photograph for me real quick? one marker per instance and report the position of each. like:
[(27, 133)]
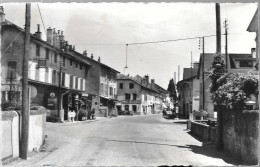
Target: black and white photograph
[(129, 84)]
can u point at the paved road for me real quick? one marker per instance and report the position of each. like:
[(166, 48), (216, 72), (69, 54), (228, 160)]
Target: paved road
[(125, 141)]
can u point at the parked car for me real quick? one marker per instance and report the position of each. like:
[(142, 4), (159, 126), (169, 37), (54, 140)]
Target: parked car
[(169, 113)]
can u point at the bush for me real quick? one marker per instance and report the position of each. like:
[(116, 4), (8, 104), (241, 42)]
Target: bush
[(235, 88)]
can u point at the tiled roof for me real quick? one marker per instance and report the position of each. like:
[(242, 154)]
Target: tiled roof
[(189, 72)]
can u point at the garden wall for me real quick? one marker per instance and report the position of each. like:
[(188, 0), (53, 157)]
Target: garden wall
[(11, 121), (240, 135)]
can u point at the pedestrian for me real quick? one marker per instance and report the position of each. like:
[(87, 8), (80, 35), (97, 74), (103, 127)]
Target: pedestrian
[(93, 113)]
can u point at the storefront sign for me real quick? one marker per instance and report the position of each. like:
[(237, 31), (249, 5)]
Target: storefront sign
[(52, 95), (52, 102)]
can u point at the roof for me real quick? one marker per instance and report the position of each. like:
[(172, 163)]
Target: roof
[(241, 56), (189, 72), (139, 80), (253, 25), (7, 22), (208, 59)]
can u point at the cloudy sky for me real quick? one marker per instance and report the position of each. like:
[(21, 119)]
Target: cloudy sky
[(104, 29)]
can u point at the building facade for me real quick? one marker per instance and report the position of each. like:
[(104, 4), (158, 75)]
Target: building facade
[(136, 95), (60, 78), (188, 90)]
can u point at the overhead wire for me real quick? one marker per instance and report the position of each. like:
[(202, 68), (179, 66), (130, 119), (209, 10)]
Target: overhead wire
[(41, 19)]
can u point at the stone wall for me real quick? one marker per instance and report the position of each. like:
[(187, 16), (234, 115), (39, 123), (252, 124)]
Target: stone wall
[(240, 134)]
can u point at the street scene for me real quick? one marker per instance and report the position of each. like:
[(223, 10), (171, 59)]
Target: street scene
[(128, 141), (129, 84)]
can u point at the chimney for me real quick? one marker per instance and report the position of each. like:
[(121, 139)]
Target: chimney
[(62, 36), (253, 53), (2, 14), (99, 59), (70, 47), (50, 36), (38, 34), (54, 37), (146, 78), (85, 53), (73, 47), (196, 64), (92, 56), (152, 83)]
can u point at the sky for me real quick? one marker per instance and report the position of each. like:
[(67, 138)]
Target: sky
[(104, 29)]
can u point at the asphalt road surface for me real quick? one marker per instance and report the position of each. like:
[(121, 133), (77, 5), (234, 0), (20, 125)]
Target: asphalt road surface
[(124, 141)]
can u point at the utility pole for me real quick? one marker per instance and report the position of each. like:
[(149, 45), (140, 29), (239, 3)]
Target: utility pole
[(218, 28), (203, 82), (226, 47), (25, 95), (219, 111)]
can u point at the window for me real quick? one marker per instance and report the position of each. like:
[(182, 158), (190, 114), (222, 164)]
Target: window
[(64, 61), (71, 81), (47, 54), (131, 85), (11, 71), (55, 58), (76, 86), (121, 86), (81, 84), (134, 96), (127, 96), (246, 63), (80, 66), (110, 91), (54, 76), (145, 97), (37, 50), (126, 107), (134, 108), (86, 71), (76, 65), (101, 87), (71, 62), (63, 78), (46, 74)]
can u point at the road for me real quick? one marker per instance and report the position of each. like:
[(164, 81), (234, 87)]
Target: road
[(125, 141)]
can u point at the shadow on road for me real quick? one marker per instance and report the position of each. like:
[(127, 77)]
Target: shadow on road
[(144, 142), (209, 150), (180, 122)]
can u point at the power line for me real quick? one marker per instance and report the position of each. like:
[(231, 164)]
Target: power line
[(182, 39), (41, 18), (12, 42)]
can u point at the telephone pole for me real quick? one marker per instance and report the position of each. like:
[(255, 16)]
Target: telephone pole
[(219, 111), (226, 47), (25, 95)]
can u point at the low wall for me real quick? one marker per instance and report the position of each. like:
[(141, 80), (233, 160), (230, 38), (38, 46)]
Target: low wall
[(11, 121), (200, 130), (240, 135), (203, 131)]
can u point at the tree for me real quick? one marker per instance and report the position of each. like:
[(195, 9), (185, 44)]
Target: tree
[(172, 89), (218, 69)]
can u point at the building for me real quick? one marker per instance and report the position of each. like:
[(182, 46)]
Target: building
[(60, 78), (188, 89), (136, 95), (241, 63)]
